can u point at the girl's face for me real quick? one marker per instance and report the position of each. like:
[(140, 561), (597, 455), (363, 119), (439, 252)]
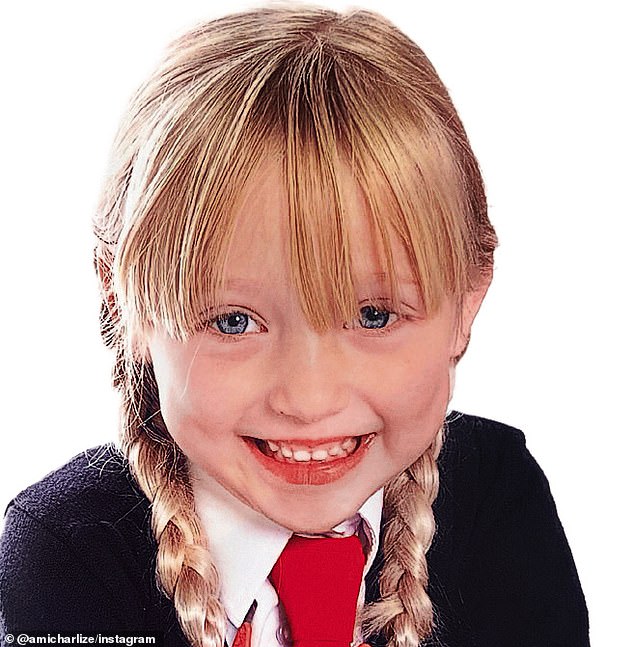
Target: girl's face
[(304, 426)]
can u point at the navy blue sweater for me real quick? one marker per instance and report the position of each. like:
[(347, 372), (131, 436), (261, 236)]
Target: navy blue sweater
[(77, 553)]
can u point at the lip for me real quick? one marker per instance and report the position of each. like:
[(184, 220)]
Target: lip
[(312, 472)]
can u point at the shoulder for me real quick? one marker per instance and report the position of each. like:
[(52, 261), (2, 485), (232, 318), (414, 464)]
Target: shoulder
[(487, 454), (81, 538), (487, 474), (94, 487), (91, 504), (473, 434), (500, 543)]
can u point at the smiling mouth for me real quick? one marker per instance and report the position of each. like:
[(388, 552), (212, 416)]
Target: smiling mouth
[(308, 462), (298, 452)]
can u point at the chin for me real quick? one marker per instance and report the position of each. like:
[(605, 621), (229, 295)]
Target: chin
[(314, 520), (311, 526)]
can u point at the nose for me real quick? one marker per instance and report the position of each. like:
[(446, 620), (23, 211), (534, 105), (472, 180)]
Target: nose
[(310, 382)]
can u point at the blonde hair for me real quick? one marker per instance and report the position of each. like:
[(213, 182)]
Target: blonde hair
[(317, 92)]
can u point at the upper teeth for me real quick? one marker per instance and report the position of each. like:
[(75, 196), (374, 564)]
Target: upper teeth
[(284, 450)]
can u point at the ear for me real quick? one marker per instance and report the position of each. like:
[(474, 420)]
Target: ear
[(108, 298), (140, 350), (466, 312)]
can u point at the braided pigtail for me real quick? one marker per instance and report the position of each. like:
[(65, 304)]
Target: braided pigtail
[(184, 570), (404, 613)]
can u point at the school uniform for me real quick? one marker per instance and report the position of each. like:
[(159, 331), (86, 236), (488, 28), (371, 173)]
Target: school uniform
[(245, 545), (77, 553)]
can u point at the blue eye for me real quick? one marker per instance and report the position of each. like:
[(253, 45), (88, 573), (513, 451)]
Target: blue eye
[(234, 323), (371, 317)]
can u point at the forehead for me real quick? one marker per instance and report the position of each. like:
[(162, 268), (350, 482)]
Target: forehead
[(262, 231)]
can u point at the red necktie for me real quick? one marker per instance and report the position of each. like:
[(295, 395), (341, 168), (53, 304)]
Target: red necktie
[(317, 581), (243, 636)]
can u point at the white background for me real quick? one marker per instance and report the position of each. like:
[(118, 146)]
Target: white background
[(544, 89)]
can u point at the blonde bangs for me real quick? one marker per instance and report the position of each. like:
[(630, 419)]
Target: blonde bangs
[(307, 102), (407, 178)]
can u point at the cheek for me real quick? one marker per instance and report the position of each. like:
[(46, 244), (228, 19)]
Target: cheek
[(202, 414), (414, 377), (202, 398), (412, 402)]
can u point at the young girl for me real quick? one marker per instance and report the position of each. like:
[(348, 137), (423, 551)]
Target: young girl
[(293, 244)]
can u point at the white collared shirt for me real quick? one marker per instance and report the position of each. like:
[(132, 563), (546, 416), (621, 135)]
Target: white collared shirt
[(245, 545)]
